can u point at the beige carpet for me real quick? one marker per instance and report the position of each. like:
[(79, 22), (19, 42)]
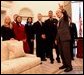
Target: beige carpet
[(47, 68)]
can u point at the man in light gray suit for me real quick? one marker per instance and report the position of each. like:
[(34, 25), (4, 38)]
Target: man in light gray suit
[(63, 39)]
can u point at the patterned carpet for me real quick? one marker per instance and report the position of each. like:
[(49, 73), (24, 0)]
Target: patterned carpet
[(77, 67), (47, 68), (76, 70)]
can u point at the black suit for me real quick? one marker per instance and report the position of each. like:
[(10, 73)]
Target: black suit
[(30, 36), (73, 32), (50, 31), (40, 43)]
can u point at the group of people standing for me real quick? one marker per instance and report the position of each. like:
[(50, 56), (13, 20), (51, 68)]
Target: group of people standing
[(51, 33)]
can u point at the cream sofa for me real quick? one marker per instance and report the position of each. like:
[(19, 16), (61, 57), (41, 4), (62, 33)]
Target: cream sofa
[(13, 58)]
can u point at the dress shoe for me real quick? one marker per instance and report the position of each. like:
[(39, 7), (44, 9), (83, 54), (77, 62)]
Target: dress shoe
[(58, 60), (68, 69), (62, 67), (41, 63), (52, 62), (47, 57), (72, 58), (43, 59)]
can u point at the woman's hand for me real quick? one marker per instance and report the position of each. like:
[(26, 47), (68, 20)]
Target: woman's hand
[(32, 40), (12, 39), (24, 40)]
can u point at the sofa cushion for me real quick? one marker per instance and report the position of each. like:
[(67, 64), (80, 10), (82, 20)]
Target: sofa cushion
[(15, 49), (24, 63), (4, 51), (6, 68)]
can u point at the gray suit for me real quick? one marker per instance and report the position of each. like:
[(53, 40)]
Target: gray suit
[(63, 37)]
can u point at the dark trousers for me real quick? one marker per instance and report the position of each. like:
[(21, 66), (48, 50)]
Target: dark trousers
[(49, 50), (65, 53), (57, 51), (31, 46), (71, 48), (40, 49)]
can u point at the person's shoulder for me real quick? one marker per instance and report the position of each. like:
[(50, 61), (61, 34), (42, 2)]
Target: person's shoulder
[(22, 25), (73, 24), (2, 26), (47, 20), (43, 22), (35, 22), (55, 19), (26, 24)]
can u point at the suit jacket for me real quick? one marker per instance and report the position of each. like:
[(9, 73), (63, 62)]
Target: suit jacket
[(73, 31), (63, 30), (38, 29), (51, 29), (29, 31)]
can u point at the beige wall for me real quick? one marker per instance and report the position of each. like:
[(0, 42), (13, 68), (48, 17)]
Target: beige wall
[(34, 7), (67, 5)]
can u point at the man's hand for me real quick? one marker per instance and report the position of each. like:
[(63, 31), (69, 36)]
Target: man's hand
[(56, 42), (43, 36), (32, 40)]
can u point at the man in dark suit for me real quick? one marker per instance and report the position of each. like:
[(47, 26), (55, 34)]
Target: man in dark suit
[(38, 28), (50, 31), (63, 37), (73, 32)]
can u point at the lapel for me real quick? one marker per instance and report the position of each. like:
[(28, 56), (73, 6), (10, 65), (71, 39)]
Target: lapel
[(60, 21), (40, 23)]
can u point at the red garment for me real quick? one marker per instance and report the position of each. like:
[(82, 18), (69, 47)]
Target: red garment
[(20, 35), (80, 48)]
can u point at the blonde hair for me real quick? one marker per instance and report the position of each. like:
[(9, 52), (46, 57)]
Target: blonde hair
[(5, 23)]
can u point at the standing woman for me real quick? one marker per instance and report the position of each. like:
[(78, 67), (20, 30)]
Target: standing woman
[(20, 35), (29, 34), (6, 30)]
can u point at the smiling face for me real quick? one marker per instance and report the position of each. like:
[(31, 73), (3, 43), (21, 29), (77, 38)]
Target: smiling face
[(14, 17), (59, 13), (19, 19), (7, 20), (29, 19), (39, 17)]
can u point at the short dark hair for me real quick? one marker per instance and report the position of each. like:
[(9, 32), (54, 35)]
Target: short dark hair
[(51, 11)]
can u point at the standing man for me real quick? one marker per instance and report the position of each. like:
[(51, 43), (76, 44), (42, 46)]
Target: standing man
[(50, 31), (38, 28), (73, 32), (63, 37)]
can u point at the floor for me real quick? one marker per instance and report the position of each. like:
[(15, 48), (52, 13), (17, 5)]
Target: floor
[(47, 68)]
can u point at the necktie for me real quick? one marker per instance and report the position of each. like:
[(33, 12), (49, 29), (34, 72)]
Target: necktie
[(40, 23), (58, 24)]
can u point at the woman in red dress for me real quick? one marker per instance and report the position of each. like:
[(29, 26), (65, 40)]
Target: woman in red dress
[(20, 35)]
